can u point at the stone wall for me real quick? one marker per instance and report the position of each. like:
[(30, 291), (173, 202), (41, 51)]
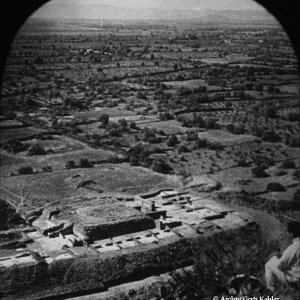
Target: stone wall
[(91, 273)]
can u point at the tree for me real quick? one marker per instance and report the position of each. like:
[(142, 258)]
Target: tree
[(132, 125), (38, 60), (271, 112), (172, 141), (134, 160), (70, 164), (294, 116), (210, 123), (191, 136), (175, 66), (36, 149), (200, 143), (161, 166), (84, 163), (148, 133), (104, 119), (262, 161), (123, 122), (141, 95)]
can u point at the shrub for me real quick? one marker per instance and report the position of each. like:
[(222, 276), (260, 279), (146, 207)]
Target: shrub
[(146, 163), (164, 116), (25, 170), (114, 132), (275, 187), (216, 146), (47, 169), (259, 172), (184, 173), (200, 143), (85, 183), (293, 141), (271, 112), (154, 140), (183, 148), (191, 136), (280, 172), (296, 174), (113, 159), (242, 162), (296, 196), (256, 131), (288, 164), (271, 136)]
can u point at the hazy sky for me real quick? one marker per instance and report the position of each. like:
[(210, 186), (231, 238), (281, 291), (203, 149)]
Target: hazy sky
[(56, 7), (169, 4)]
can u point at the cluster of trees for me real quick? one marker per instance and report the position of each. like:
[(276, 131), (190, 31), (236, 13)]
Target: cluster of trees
[(152, 135), (236, 128), (139, 155), (166, 115), (261, 162), (15, 146), (294, 117), (83, 163), (72, 103), (25, 170), (197, 143), (115, 129), (197, 121), (36, 149), (292, 140)]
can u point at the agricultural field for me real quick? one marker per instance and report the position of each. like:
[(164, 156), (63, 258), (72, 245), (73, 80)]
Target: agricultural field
[(188, 122), (109, 179), (21, 133)]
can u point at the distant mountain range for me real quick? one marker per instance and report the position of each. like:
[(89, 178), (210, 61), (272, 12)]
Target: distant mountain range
[(96, 11)]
